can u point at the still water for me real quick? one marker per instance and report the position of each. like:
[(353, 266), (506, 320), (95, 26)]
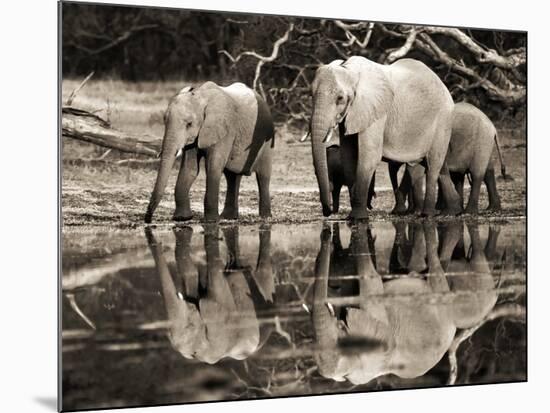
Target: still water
[(206, 312)]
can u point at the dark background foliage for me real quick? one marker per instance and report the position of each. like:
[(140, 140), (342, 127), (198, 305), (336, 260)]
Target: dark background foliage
[(485, 67)]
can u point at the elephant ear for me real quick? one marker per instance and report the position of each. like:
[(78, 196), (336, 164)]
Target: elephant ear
[(373, 96), (217, 123)]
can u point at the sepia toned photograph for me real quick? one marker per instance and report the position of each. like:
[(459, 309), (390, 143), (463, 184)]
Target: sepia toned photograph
[(260, 206)]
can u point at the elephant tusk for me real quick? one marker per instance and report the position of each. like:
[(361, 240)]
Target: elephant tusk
[(305, 307), (330, 309), (179, 152), (304, 138), (180, 295), (328, 137)]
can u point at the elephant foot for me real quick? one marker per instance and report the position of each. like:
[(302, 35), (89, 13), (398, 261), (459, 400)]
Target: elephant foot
[(415, 211), (428, 213), (211, 218), (327, 211), (265, 215), (181, 218), (399, 210), (451, 212), (471, 211), (358, 214), (230, 214), (494, 208), (148, 218)]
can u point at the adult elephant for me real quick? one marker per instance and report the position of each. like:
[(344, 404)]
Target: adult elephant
[(231, 127), (401, 112)]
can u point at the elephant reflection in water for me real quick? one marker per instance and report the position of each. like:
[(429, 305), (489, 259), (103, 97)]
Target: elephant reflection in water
[(404, 325), (211, 307)]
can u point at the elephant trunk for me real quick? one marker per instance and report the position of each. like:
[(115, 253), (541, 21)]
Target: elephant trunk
[(168, 156), (320, 127), (324, 323)]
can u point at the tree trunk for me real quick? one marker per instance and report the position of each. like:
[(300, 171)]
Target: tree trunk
[(88, 127)]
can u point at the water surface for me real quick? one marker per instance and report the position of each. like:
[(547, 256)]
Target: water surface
[(198, 313)]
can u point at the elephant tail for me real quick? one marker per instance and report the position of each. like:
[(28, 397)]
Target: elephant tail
[(502, 165)]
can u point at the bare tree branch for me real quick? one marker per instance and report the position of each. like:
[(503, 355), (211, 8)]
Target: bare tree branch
[(114, 42), (77, 89), (262, 59), (483, 55), (352, 39), (403, 50), (510, 96)]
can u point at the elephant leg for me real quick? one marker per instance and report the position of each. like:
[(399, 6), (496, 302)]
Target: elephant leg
[(491, 184), (189, 170), (368, 156), (336, 197), (450, 237), (417, 261), (478, 252), (439, 204), (263, 178), (399, 190), (185, 268), (417, 175), (415, 197), (372, 191), (265, 199), (437, 171), (436, 280), (435, 162), (231, 236), (451, 198), (214, 168), (491, 244), (348, 159), (231, 207), (458, 180), (473, 202)]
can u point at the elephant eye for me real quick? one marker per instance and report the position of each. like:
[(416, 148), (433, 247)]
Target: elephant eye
[(340, 99), (189, 124)]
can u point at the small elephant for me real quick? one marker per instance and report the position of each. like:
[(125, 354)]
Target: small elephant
[(231, 127), (472, 141), (338, 180)]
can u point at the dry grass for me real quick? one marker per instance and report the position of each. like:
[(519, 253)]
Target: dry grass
[(107, 193)]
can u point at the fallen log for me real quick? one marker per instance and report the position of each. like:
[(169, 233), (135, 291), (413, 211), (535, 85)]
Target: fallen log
[(88, 127)]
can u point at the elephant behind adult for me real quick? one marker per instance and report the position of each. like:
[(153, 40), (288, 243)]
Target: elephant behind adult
[(231, 127), (337, 178), (473, 139), (472, 142), (401, 112)]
